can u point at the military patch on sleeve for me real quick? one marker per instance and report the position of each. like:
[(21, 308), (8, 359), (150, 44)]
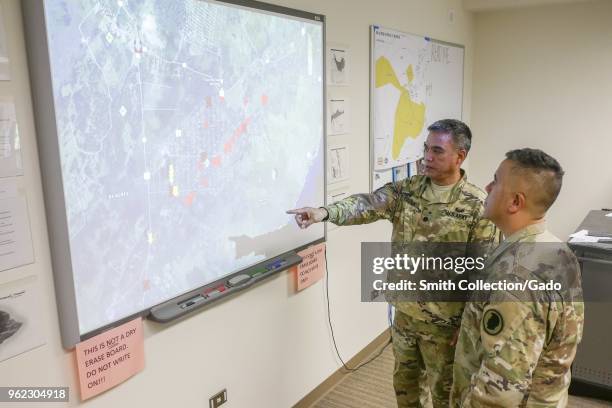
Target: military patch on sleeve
[(492, 322)]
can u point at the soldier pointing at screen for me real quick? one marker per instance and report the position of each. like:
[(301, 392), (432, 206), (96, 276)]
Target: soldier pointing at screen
[(423, 208)]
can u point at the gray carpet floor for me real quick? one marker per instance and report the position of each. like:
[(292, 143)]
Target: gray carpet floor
[(371, 387)]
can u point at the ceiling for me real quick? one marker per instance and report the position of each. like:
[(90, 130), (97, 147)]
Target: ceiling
[(487, 5)]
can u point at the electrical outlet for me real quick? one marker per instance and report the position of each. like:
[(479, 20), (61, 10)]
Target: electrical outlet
[(218, 399)]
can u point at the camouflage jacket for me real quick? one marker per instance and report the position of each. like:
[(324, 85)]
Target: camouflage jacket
[(414, 218), (515, 349)]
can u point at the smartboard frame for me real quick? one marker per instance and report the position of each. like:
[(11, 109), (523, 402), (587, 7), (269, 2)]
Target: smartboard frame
[(39, 65)]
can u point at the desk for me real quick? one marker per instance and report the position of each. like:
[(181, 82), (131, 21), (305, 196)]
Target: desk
[(592, 368)]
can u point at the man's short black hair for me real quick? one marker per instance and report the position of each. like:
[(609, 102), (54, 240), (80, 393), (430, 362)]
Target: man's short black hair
[(462, 135), (545, 170)]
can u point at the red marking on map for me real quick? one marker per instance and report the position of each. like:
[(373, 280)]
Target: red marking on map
[(204, 181), (189, 198), (229, 145), (205, 124), (245, 101), (208, 102), (242, 128), (264, 99), (216, 161)]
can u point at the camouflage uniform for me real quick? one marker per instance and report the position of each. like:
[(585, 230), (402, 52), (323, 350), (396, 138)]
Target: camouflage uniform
[(422, 331), (515, 348)]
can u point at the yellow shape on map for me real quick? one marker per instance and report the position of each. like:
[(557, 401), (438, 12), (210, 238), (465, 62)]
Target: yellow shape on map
[(385, 74), (409, 115), (171, 173), (410, 73)]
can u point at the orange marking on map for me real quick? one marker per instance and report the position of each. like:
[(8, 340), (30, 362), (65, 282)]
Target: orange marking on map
[(229, 145), (264, 99), (242, 128), (216, 161), (189, 199)]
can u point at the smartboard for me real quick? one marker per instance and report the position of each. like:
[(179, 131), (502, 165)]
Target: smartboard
[(172, 136)]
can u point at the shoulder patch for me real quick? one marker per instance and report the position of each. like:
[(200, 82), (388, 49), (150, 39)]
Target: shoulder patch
[(416, 180), (492, 322), (474, 192)]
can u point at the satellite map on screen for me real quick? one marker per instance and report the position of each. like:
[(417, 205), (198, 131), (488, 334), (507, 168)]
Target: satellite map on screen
[(186, 130)]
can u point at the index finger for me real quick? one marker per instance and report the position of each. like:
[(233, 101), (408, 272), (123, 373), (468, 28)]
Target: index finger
[(296, 211)]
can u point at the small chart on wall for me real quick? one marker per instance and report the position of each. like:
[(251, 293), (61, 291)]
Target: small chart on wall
[(338, 65), (338, 116), (415, 81)]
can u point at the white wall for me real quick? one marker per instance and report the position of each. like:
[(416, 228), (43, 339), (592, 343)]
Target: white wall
[(269, 347), (543, 78)]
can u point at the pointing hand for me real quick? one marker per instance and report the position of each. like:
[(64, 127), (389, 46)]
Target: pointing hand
[(306, 216)]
